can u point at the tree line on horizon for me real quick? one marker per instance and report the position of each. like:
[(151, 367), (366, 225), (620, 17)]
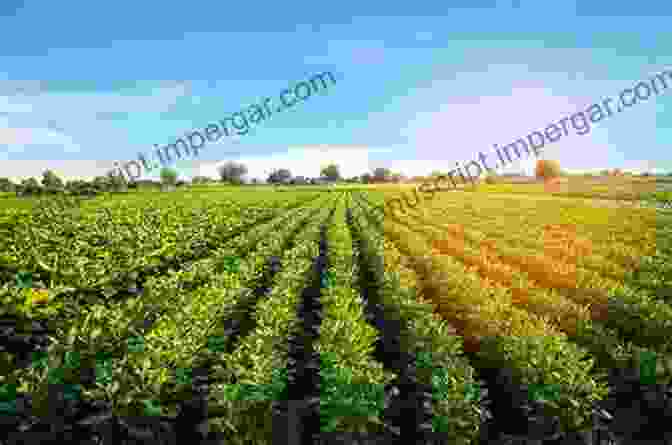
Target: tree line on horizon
[(233, 173), (229, 173)]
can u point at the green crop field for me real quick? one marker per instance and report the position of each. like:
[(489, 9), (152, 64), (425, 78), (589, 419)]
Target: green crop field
[(144, 288)]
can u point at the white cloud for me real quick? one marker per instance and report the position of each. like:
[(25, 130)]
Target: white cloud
[(37, 119), (47, 105), (304, 161), (16, 136), (79, 110), (301, 161), (18, 139), (16, 170)]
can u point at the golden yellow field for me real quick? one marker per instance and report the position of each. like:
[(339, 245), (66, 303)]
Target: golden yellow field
[(517, 263), (553, 256)]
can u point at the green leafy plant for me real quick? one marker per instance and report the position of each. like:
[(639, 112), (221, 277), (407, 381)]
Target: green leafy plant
[(339, 397), (151, 407), (441, 379), (72, 391), (232, 264), (7, 399), (72, 360), (39, 359), (217, 344), (103, 368), (183, 376), (328, 279), (270, 391), (24, 280), (136, 344), (544, 392), (647, 368), (56, 376)]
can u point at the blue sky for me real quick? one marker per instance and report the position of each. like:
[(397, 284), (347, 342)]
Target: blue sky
[(420, 85)]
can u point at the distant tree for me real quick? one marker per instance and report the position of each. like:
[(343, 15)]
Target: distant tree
[(331, 172), (147, 184), (381, 174), (87, 189), (588, 175), (73, 185), (79, 187), (29, 186), (102, 183), (299, 180), (279, 176), (232, 172), (604, 172), (168, 176), (51, 183), (6, 185), (116, 183), (201, 180), (366, 178), (547, 169)]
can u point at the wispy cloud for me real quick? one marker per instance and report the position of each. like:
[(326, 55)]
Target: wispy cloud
[(74, 122), (304, 161), (414, 93)]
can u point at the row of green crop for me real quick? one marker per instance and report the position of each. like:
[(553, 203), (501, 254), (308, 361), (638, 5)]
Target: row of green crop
[(201, 272), (440, 356), (352, 381), (256, 361), (102, 328), (209, 227), (654, 273), (107, 244)]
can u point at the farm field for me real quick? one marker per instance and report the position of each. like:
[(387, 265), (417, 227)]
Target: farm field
[(600, 187), (257, 316)]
